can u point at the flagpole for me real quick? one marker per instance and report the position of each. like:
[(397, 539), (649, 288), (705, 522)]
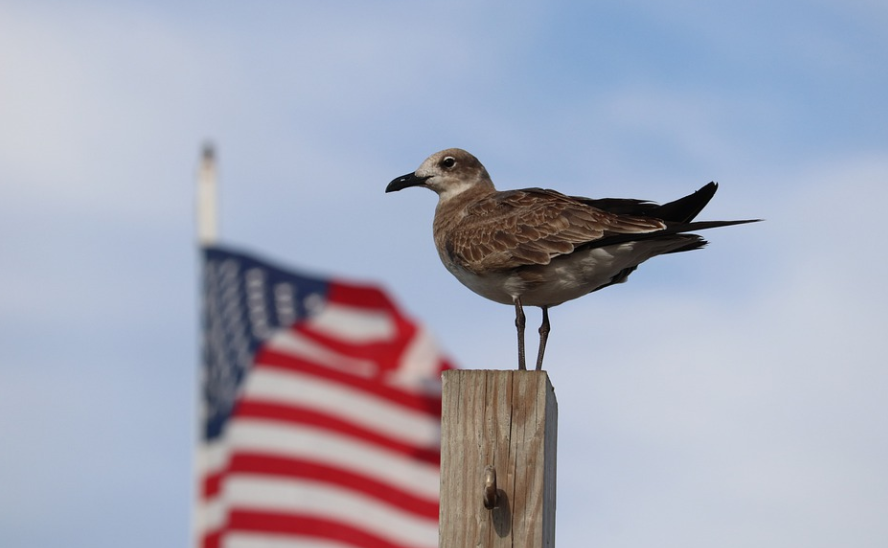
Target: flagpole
[(207, 233), (207, 198)]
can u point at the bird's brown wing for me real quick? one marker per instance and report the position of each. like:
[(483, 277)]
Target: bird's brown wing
[(532, 226)]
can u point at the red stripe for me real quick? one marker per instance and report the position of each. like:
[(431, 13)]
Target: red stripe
[(212, 540), (254, 463), (427, 403), (211, 484), (309, 526), (309, 417), (360, 296)]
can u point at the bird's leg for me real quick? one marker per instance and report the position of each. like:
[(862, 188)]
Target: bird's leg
[(519, 324), (544, 336)]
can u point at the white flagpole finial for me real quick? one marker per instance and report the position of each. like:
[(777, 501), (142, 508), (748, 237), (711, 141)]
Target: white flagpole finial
[(207, 197)]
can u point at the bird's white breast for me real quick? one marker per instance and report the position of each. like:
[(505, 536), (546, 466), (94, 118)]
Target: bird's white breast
[(565, 278)]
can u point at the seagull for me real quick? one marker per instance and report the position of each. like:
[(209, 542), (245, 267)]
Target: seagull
[(539, 247)]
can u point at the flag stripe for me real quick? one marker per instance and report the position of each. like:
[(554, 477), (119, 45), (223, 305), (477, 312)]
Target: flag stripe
[(360, 296), (321, 414), (406, 500), (429, 403), (291, 414), (354, 325), (241, 539), (260, 464), (311, 498), (384, 352), (390, 467), (367, 410), (312, 526), (212, 539)]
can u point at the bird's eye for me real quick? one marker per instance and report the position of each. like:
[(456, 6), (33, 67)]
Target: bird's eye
[(448, 162)]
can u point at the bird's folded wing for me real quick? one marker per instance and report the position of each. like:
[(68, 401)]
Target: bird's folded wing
[(532, 226)]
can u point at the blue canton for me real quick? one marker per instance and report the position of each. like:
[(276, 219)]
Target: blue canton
[(245, 301)]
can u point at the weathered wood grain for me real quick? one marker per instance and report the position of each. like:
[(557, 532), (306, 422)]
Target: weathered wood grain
[(508, 419)]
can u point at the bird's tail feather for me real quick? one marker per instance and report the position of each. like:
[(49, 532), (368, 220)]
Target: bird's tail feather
[(670, 230)]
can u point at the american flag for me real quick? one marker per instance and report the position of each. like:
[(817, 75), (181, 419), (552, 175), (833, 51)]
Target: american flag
[(320, 415)]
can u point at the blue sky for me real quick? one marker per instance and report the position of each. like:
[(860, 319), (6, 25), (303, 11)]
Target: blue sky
[(729, 397)]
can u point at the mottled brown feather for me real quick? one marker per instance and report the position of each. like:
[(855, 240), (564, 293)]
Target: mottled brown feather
[(504, 230)]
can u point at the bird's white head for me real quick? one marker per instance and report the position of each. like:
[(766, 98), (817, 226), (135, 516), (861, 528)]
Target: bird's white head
[(449, 173)]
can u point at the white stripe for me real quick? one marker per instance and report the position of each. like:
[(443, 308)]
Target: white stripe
[(287, 341), (259, 493), (214, 513), (333, 398), (212, 455), (323, 446), (420, 361), (353, 324)]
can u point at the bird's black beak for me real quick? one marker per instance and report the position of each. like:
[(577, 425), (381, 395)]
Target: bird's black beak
[(405, 181)]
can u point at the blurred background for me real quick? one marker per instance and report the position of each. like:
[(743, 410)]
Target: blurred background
[(730, 397)]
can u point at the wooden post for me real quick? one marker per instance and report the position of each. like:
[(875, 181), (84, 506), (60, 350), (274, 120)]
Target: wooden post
[(508, 420)]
